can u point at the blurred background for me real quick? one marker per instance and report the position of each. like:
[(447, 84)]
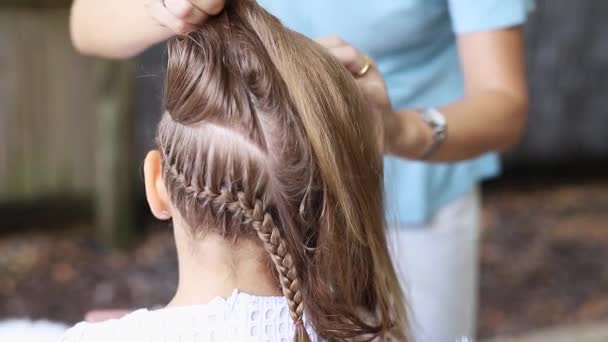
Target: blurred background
[(75, 233)]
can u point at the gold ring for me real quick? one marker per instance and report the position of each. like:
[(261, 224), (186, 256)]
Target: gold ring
[(366, 67)]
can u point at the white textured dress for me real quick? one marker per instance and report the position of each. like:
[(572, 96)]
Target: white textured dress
[(242, 317)]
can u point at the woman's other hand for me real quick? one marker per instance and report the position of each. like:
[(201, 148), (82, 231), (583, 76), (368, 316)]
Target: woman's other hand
[(123, 29), (183, 16), (402, 131)]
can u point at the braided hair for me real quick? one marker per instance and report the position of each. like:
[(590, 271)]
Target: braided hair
[(265, 136), (235, 208)]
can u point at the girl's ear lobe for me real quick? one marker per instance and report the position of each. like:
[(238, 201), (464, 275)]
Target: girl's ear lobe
[(156, 192)]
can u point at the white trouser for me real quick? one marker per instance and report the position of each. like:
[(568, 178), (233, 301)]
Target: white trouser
[(438, 266)]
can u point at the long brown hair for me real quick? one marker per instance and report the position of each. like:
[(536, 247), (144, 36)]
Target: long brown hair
[(265, 135)]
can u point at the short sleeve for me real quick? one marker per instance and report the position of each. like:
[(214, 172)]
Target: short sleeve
[(486, 15)]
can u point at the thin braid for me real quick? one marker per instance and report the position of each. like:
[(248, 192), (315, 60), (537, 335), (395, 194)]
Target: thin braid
[(256, 216), (275, 245)]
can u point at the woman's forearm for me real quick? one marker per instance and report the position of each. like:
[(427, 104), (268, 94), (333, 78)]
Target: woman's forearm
[(480, 123), (114, 28)]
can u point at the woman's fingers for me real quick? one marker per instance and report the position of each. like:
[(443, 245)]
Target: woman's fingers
[(183, 16), (211, 7), (370, 81), (186, 11), (331, 41), (352, 59), (166, 18), (356, 62)]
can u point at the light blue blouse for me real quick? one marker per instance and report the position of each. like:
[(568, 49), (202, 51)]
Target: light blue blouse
[(414, 45)]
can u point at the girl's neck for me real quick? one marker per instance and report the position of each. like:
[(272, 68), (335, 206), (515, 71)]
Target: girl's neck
[(213, 267)]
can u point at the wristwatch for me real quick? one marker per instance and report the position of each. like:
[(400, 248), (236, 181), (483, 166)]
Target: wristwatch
[(436, 120)]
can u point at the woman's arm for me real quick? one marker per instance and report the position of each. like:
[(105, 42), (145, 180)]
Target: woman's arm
[(124, 28), (490, 117), (492, 114)]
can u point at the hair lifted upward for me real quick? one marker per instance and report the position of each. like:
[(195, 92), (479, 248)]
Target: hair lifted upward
[(265, 136)]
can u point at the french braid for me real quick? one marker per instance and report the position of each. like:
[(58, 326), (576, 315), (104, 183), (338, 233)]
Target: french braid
[(248, 214)]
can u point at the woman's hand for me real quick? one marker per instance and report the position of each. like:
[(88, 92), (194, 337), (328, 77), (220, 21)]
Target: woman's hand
[(490, 116), (122, 29), (183, 16), (402, 131)]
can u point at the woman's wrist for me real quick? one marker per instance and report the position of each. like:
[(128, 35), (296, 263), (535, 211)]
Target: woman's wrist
[(407, 135)]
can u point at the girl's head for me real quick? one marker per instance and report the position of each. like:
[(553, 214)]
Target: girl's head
[(265, 137)]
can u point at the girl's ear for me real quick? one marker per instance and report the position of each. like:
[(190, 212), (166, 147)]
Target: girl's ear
[(156, 192)]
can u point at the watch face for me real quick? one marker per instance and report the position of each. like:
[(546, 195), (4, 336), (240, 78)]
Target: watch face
[(437, 122), (436, 117)]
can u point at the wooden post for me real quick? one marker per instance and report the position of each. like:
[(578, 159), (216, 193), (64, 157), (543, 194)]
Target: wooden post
[(47, 104), (114, 154), (35, 4), (66, 121)]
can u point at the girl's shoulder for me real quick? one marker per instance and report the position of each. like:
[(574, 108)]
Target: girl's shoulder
[(241, 317), (123, 329)]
